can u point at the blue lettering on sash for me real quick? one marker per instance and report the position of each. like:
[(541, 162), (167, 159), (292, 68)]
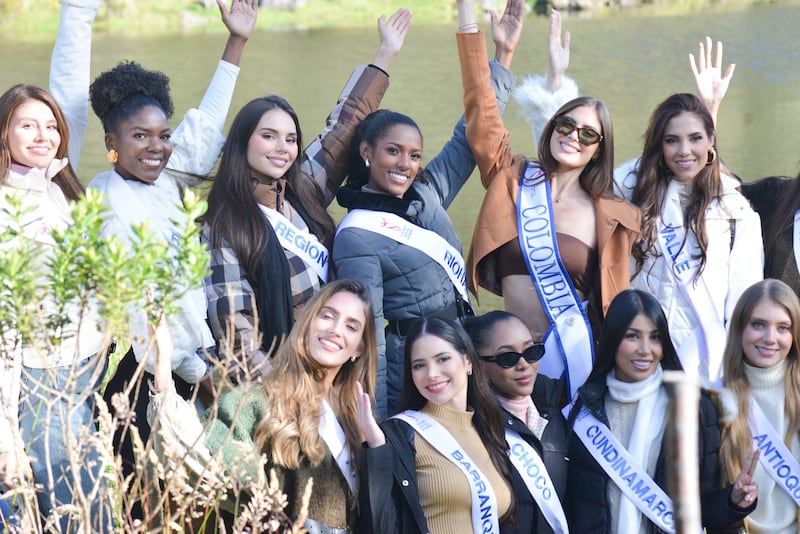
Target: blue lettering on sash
[(532, 469), (456, 266), (307, 246), (640, 488)]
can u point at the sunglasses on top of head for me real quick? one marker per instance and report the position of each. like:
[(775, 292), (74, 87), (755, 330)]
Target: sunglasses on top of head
[(507, 360), (586, 136)]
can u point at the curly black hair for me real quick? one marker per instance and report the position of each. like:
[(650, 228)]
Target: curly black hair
[(127, 88)]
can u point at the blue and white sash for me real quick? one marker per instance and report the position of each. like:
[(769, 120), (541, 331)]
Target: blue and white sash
[(301, 243), (531, 468), (776, 458), (568, 345), (619, 465), (706, 345), (429, 243), (485, 517)]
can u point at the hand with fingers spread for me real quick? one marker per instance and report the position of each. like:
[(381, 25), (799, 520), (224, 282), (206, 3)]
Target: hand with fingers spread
[(240, 21), (557, 52), (745, 489), (392, 33), (712, 85), (373, 434), (507, 30)]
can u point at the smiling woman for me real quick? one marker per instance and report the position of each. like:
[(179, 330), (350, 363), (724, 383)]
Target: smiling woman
[(625, 401)]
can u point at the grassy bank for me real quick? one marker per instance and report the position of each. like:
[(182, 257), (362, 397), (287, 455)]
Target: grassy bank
[(36, 20)]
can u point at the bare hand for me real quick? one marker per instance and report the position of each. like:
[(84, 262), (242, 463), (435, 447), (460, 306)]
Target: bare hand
[(241, 19), (161, 342), (711, 83), (12, 470), (367, 424), (393, 34), (393, 31), (745, 489), (507, 31), (557, 52)]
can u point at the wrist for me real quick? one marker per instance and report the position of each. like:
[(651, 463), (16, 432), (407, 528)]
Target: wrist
[(384, 57)]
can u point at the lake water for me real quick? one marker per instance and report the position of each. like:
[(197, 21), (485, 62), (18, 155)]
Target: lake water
[(630, 61)]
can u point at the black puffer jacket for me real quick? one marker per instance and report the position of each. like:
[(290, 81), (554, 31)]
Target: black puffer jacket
[(587, 486)]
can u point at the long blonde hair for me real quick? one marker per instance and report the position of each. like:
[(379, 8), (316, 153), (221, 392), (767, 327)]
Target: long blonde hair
[(294, 387), (736, 439)]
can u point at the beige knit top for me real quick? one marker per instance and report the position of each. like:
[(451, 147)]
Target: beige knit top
[(444, 491)]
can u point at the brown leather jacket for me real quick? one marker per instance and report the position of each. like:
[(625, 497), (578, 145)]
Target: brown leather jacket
[(618, 221)]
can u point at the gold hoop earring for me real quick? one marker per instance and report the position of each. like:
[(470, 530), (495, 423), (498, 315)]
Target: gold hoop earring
[(712, 155), (112, 156)]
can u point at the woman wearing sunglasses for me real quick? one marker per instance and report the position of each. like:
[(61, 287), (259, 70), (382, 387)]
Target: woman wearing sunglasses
[(701, 242), (554, 226), (617, 461), (530, 403)]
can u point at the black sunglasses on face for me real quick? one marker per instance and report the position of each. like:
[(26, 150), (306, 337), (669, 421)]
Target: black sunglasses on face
[(586, 136), (507, 360)]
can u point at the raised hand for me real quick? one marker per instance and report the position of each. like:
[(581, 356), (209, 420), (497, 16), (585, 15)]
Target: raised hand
[(507, 30), (393, 34), (373, 434), (712, 85), (241, 19), (557, 52), (745, 489)]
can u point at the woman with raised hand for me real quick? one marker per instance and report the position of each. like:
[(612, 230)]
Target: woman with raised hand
[(762, 387), (623, 408), (397, 237), (267, 227), (700, 244), (47, 393), (151, 165), (551, 228), (302, 417), (535, 427), (442, 464)]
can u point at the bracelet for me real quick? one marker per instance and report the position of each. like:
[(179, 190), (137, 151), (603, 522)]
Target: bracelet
[(469, 26)]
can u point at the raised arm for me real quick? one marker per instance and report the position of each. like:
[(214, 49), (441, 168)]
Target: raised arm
[(485, 132), (711, 84), (69, 68), (540, 96), (197, 141), (326, 157)]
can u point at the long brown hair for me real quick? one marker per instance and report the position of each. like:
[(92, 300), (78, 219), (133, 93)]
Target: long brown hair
[(9, 102), (653, 178), (597, 178), (736, 438), (293, 387)]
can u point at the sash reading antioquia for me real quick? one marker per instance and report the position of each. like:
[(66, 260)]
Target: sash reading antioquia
[(531, 468), (568, 345), (429, 243), (631, 478), (485, 519), (707, 343), (776, 458), (301, 243)]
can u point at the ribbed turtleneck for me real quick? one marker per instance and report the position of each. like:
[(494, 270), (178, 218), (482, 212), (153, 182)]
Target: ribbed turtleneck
[(769, 377), (776, 512), (444, 491)]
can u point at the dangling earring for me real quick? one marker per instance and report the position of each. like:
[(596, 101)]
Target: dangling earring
[(366, 163), (712, 155), (469, 371), (112, 156)]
